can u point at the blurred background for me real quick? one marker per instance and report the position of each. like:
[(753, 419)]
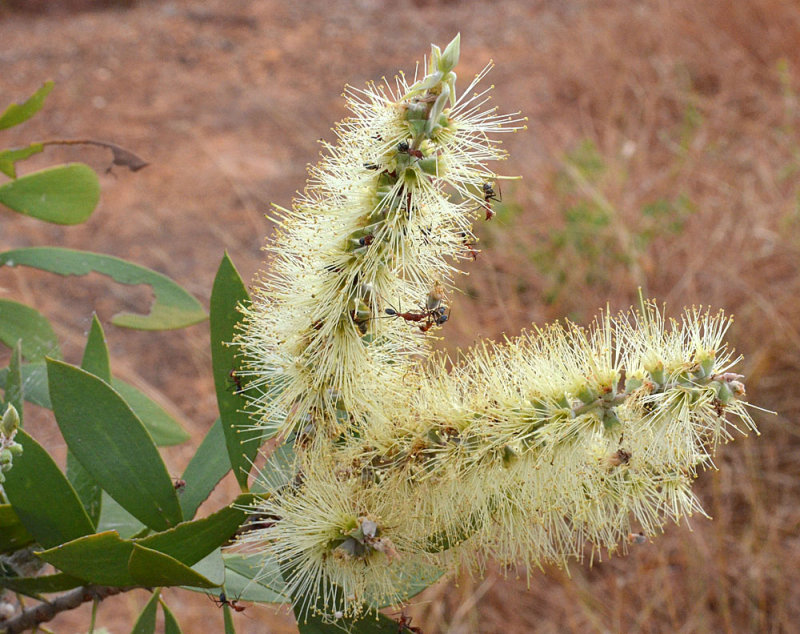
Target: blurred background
[(662, 151)]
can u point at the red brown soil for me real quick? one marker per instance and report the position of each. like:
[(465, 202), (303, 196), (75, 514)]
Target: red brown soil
[(227, 99)]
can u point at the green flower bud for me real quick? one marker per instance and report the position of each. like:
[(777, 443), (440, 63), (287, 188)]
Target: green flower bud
[(15, 448), (610, 419), (633, 383), (657, 373), (436, 56), (10, 422), (449, 59), (724, 392), (587, 395), (5, 458)]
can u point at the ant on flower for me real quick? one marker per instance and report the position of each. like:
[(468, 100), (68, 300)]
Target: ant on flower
[(433, 313), (489, 195), (404, 148)]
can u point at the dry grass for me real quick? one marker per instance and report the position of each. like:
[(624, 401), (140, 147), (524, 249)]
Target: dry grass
[(680, 98)]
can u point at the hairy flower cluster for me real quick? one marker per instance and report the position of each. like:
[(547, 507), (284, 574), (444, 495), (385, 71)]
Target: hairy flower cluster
[(384, 215), (410, 463)]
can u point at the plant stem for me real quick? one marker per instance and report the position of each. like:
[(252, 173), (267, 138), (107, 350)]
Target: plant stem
[(32, 617)]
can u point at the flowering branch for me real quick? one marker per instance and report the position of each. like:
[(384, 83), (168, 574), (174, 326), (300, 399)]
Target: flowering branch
[(408, 463)]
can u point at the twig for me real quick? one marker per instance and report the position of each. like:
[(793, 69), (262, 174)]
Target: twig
[(44, 612)]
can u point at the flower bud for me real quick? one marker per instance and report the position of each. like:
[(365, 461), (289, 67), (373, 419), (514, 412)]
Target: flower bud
[(449, 58), (8, 426)]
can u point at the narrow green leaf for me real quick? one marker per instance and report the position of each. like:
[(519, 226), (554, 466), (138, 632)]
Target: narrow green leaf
[(13, 535), (107, 559), (146, 623), (9, 158), (227, 294), (95, 360), (101, 558), (207, 467), (112, 445), (63, 195), (152, 568), (18, 321), (173, 308), (212, 567), (34, 586), (115, 518), (15, 391), (95, 354), (254, 578), (189, 542), (245, 589), (16, 113), (34, 381), (171, 625), (278, 470), (43, 498), (164, 429)]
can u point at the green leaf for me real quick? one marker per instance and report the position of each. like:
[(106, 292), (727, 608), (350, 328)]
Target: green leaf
[(165, 430), (189, 542), (173, 307), (254, 578), (16, 113), (278, 470), (101, 558), (115, 518), (151, 568), (9, 158), (212, 567), (34, 381), (89, 493), (13, 535), (95, 355), (14, 386), (113, 445), (18, 321), (34, 586), (227, 293), (107, 559), (146, 623), (207, 467), (95, 360), (43, 498), (63, 195), (171, 625)]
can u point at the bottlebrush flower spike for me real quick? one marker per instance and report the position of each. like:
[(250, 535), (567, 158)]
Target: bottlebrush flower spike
[(377, 227)]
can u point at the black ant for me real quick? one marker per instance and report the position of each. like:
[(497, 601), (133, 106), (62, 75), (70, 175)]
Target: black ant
[(179, 485), (366, 240), (489, 195), (404, 148), (372, 166), (223, 600)]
